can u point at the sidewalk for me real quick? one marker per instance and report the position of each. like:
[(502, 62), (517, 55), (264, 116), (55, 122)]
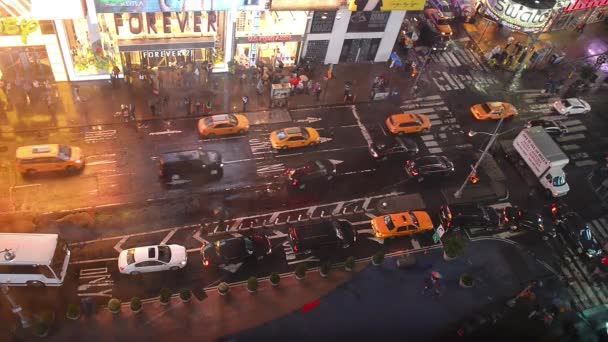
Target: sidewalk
[(363, 304), (100, 100)]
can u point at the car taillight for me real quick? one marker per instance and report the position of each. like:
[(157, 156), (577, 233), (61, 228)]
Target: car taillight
[(295, 182), (553, 209), (122, 268), (206, 262), (295, 248), (414, 173), (506, 218)]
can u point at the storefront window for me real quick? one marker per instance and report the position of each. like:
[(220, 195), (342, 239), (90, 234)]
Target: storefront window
[(90, 56), (322, 22), (372, 21), (269, 37)]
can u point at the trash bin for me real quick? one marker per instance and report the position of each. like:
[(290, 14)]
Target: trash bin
[(406, 261)]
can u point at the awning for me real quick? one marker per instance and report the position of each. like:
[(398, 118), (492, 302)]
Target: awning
[(165, 44)]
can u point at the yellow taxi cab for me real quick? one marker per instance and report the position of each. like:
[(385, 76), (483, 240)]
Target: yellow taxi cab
[(294, 137), (408, 123), (439, 22), (47, 158), (225, 124), (493, 110), (401, 224)]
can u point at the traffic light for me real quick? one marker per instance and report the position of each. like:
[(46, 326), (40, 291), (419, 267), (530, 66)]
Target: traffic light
[(474, 179)]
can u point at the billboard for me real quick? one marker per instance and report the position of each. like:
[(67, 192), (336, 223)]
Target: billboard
[(386, 5), (585, 4), (154, 6), (305, 5), (15, 8)]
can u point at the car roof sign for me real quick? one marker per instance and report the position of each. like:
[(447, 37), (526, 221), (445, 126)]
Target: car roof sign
[(41, 149)]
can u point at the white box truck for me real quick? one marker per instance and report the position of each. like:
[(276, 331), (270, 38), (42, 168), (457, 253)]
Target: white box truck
[(544, 158)]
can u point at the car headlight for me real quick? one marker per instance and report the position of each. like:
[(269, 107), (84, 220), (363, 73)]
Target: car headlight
[(183, 263), (443, 33), (79, 161), (221, 164)]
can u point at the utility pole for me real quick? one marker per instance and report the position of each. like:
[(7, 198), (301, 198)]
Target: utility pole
[(473, 172), (16, 308)]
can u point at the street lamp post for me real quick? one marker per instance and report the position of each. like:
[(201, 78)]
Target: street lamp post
[(427, 58), (495, 134), (16, 308)]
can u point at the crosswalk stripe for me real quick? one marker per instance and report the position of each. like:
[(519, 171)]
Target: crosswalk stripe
[(586, 162), (598, 230), (441, 88), (569, 137), (569, 123), (451, 55), (577, 129), (447, 77)]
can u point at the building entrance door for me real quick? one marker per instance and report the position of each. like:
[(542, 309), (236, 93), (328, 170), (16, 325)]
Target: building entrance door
[(359, 50)]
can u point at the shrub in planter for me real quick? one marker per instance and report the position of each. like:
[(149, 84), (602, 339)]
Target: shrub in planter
[(136, 304), (324, 269), (453, 247), (114, 305), (73, 311), (185, 295), (466, 280), (377, 259), (164, 296), (275, 279), (223, 288), (252, 284), (301, 271), (41, 329), (349, 264)]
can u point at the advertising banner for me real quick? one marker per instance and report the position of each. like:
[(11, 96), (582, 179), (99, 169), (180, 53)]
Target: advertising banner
[(585, 4), (368, 21), (386, 5), (153, 6), (304, 5), (15, 8), (515, 15)]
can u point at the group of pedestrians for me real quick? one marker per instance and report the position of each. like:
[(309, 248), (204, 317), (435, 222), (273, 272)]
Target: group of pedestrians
[(23, 95)]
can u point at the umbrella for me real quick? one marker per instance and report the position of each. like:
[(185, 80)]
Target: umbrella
[(304, 78), (436, 275)]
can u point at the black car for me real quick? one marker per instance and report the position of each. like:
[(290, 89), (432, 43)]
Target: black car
[(576, 231), (457, 216), (387, 146), (516, 218), (552, 127), (429, 166), (235, 250), (314, 172), (183, 167), (329, 234)]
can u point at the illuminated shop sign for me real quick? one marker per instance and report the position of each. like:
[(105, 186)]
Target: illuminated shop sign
[(386, 5), (168, 53), (303, 5), (268, 39), (582, 4), (518, 16), (150, 24), (18, 27), (153, 6)]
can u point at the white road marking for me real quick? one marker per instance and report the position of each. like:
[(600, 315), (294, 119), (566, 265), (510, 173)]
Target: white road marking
[(441, 88), (415, 243), (566, 138), (378, 240), (168, 236), (586, 162), (309, 259), (435, 150), (362, 127), (241, 160), (370, 215), (165, 132), (117, 245)]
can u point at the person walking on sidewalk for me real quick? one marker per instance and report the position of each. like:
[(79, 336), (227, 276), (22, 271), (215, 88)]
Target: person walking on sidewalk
[(317, 90), (245, 101)]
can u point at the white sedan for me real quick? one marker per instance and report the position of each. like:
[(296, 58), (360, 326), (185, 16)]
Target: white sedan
[(152, 259), (571, 106)]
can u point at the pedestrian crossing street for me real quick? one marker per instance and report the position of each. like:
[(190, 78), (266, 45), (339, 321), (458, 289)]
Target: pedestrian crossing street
[(584, 290), (444, 126), (536, 105)]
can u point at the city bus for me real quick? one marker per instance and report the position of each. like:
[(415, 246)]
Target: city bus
[(33, 259)]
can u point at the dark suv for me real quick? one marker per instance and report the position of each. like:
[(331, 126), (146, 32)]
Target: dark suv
[(235, 250), (185, 167), (457, 216), (315, 172), (384, 147), (429, 166), (328, 234), (516, 218)]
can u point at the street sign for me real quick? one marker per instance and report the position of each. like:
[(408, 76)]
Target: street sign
[(438, 234)]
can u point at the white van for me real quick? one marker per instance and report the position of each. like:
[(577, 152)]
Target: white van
[(33, 259), (444, 8)]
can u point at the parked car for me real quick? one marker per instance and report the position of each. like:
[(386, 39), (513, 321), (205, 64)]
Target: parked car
[(157, 258), (516, 218), (294, 137), (401, 224), (459, 216), (438, 22), (386, 147), (429, 166), (224, 124), (236, 249), (577, 233), (552, 127), (316, 236), (493, 110), (314, 172), (571, 106), (184, 167)]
